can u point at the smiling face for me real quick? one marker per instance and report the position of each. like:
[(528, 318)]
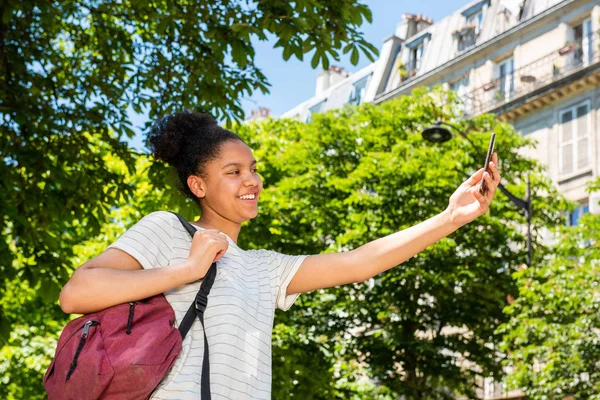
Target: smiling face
[(229, 187)]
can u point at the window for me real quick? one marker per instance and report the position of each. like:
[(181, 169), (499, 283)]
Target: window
[(465, 38), (476, 20), (474, 15), (416, 55), (574, 139), (467, 35), (358, 90), (573, 217), (416, 48), (507, 77), (461, 88), (584, 50)]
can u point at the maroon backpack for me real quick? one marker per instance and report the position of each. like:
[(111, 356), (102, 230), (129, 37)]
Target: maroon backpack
[(124, 351)]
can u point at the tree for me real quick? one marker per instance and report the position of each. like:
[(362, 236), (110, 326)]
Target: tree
[(427, 328), (38, 322), (553, 338), (71, 72)]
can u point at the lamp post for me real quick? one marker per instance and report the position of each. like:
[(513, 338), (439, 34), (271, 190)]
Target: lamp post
[(439, 134)]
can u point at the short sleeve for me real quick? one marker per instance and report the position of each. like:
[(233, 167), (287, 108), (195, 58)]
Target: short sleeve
[(149, 241), (285, 267)]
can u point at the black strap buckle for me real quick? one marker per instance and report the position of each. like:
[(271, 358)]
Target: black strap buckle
[(201, 302)]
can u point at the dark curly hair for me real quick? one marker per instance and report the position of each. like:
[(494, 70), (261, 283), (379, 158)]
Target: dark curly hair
[(187, 140)]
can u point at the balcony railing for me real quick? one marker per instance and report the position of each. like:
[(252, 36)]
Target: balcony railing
[(550, 68)]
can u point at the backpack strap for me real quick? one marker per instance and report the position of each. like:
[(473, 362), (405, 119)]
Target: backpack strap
[(197, 309)]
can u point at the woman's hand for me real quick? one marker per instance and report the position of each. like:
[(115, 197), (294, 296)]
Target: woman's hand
[(208, 246), (467, 203)]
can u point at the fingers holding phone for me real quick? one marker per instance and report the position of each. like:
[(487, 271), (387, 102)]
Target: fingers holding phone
[(484, 186)]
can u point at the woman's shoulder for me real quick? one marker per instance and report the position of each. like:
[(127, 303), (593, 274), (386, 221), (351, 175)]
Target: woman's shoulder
[(164, 217), (265, 254), (159, 222), (259, 253)]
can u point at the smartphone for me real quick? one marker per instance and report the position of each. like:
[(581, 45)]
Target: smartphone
[(483, 187)]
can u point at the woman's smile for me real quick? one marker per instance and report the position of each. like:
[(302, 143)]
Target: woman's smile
[(249, 198)]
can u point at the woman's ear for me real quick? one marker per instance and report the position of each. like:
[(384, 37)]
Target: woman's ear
[(197, 186)]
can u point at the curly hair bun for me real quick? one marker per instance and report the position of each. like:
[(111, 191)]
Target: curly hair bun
[(188, 140), (172, 133)]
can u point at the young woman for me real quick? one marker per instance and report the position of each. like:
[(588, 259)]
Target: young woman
[(218, 171)]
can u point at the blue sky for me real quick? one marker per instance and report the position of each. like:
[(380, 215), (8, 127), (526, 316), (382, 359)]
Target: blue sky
[(293, 82)]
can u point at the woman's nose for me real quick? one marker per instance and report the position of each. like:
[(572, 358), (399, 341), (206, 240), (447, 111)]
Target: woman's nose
[(252, 180)]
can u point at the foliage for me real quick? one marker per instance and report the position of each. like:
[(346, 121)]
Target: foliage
[(402, 70), (553, 335), (37, 322), (421, 330), (26, 356), (304, 367), (424, 329), (72, 73)]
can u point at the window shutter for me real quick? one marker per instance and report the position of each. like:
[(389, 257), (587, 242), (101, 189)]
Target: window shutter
[(575, 139), (566, 142), (583, 145)]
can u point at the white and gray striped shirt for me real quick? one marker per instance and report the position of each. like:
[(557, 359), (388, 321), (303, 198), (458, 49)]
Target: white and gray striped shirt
[(239, 317)]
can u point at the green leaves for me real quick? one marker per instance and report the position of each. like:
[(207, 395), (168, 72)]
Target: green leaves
[(350, 176), (307, 26), (74, 69), (354, 56), (555, 320), (357, 174)]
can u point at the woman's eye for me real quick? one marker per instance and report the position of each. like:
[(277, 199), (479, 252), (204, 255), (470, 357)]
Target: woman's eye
[(255, 170), (233, 172)]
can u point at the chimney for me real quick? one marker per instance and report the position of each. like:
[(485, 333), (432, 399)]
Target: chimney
[(261, 113), (326, 79), (412, 24)]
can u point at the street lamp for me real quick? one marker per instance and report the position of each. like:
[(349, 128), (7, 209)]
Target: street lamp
[(440, 134)]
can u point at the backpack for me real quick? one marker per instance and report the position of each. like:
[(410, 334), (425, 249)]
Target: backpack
[(124, 351)]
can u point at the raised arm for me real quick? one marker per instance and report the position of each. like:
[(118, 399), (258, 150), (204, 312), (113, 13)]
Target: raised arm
[(327, 270)]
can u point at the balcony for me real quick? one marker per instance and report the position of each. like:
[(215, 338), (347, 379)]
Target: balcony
[(542, 82)]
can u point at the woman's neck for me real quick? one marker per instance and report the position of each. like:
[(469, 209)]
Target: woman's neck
[(208, 221)]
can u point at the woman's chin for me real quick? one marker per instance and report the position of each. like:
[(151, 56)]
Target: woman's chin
[(248, 216)]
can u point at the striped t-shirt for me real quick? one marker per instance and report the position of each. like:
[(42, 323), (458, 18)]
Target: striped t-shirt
[(239, 317)]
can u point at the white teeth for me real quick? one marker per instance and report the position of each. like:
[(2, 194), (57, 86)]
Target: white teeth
[(248, 197)]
